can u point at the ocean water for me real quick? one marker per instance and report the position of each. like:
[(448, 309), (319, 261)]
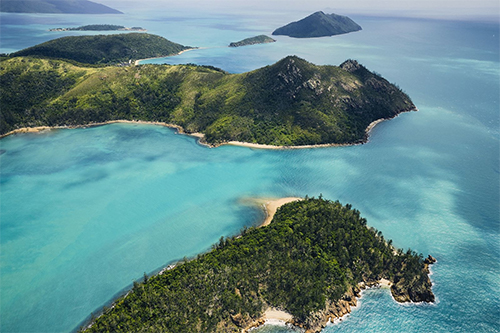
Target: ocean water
[(85, 212)]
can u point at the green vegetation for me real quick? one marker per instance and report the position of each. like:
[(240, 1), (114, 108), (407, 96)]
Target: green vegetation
[(261, 39), (292, 102), (318, 24), (99, 27), (55, 7), (104, 49), (312, 253)]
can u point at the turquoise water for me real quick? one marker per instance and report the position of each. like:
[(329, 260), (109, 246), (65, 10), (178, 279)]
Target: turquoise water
[(86, 212)]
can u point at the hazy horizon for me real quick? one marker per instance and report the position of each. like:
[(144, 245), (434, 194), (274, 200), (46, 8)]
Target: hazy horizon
[(434, 9)]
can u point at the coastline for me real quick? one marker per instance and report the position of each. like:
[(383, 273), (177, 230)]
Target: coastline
[(368, 129), (201, 136), (138, 61), (333, 313), (39, 129)]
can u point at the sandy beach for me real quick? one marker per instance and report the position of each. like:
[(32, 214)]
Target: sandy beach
[(271, 206), (384, 283), (263, 146), (275, 314), (48, 128)]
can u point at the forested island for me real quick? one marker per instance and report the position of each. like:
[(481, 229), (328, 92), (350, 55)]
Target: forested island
[(104, 49), (100, 27), (261, 39), (311, 262), (319, 24), (55, 7), (290, 103)]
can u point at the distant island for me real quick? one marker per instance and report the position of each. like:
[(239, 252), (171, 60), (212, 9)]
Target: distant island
[(309, 264), (290, 103), (55, 7), (100, 27), (105, 49), (261, 39), (318, 24)]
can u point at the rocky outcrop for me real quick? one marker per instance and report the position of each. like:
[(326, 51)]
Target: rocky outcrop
[(333, 311), (419, 289)]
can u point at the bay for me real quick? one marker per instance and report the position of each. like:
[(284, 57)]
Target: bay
[(85, 212)]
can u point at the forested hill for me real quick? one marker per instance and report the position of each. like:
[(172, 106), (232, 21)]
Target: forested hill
[(289, 103), (56, 7), (307, 261), (104, 49)]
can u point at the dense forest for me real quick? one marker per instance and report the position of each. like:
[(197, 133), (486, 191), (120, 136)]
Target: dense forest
[(104, 49), (292, 102), (312, 253)]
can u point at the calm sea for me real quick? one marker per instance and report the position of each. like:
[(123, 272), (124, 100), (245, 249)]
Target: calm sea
[(86, 212)]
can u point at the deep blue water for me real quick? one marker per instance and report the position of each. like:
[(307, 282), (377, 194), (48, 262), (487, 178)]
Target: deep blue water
[(85, 212)]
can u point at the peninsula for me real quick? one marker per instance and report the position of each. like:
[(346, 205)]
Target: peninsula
[(319, 24), (104, 49), (100, 27), (56, 7), (261, 39), (307, 267), (289, 103)]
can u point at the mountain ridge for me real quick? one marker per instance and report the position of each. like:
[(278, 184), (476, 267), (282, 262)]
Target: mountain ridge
[(290, 103)]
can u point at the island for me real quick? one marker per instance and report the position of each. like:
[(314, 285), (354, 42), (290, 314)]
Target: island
[(55, 7), (261, 39), (105, 49), (307, 267), (100, 27), (319, 24), (292, 103)]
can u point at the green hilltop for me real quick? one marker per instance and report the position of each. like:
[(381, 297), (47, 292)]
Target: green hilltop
[(104, 49), (291, 102), (309, 262)]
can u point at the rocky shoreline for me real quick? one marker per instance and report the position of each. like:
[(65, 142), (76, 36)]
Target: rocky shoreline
[(337, 310)]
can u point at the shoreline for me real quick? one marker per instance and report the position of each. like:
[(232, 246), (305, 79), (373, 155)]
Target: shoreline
[(332, 314), (138, 61), (39, 129), (368, 129), (201, 136)]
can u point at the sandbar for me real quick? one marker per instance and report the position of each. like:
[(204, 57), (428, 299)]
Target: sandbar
[(272, 206)]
